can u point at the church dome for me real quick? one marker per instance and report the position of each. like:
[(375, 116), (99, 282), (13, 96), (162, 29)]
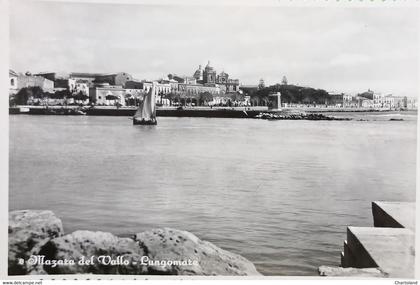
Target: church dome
[(208, 67), (198, 74)]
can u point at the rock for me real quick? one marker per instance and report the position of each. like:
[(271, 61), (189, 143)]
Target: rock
[(82, 245), (170, 244), (301, 116), (189, 254), (38, 236), (28, 231), (350, 272)]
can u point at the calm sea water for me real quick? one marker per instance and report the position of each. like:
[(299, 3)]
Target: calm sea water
[(280, 193)]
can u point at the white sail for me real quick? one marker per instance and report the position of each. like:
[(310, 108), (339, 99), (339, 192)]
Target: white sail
[(146, 113)]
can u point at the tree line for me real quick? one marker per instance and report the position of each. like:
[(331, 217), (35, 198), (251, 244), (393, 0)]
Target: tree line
[(289, 94), (23, 95)]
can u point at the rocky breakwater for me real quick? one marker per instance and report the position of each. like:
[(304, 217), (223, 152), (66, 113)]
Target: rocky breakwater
[(298, 116), (38, 245)]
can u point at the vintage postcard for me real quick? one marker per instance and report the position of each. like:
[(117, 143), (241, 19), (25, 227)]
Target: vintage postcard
[(211, 139)]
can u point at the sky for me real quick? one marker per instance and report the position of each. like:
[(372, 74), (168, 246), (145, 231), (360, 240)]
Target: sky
[(334, 48)]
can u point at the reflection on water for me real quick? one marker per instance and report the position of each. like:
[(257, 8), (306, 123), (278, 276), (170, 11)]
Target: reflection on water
[(280, 193)]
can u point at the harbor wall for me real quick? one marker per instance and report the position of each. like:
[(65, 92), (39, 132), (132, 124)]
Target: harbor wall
[(129, 112)]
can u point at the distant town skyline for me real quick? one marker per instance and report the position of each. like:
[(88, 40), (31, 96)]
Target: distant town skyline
[(345, 50)]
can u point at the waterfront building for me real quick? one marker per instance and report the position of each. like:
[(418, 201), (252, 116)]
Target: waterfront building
[(28, 80), (102, 89), (60, 83), (247, 100), (362, 100), (137, 89), (348, 101), (174, 85), (411, 103), (392, 102), (184, 79), (336, 99), (190, 80), (378, 100), (389, 102), (230, 99), (219, 100), (161, 88), (132, 84), (231, 85), (79, 85), (367, 103), (396, 102), (196, 89), (13, 82), (89, 77), (222, 78), (48, 75), (381, 101), (119, 79), (108, 95), (134, 93), (185, 86)]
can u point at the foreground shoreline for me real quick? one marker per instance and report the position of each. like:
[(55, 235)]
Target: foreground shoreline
[(38, 245)]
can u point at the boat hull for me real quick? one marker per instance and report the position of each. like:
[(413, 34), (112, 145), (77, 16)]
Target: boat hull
[(144, 122)]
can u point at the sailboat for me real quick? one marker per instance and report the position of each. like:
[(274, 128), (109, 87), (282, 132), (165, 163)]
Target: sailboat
[(146, 113)]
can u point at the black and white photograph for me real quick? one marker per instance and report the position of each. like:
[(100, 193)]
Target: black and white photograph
[(211, 139)]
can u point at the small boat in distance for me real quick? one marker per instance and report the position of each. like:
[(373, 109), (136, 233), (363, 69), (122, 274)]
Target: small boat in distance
[(146, 113)]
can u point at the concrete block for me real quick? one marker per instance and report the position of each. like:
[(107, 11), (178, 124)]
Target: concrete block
[(348, 259), (390, 249), (361, 257), (394, 214)]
